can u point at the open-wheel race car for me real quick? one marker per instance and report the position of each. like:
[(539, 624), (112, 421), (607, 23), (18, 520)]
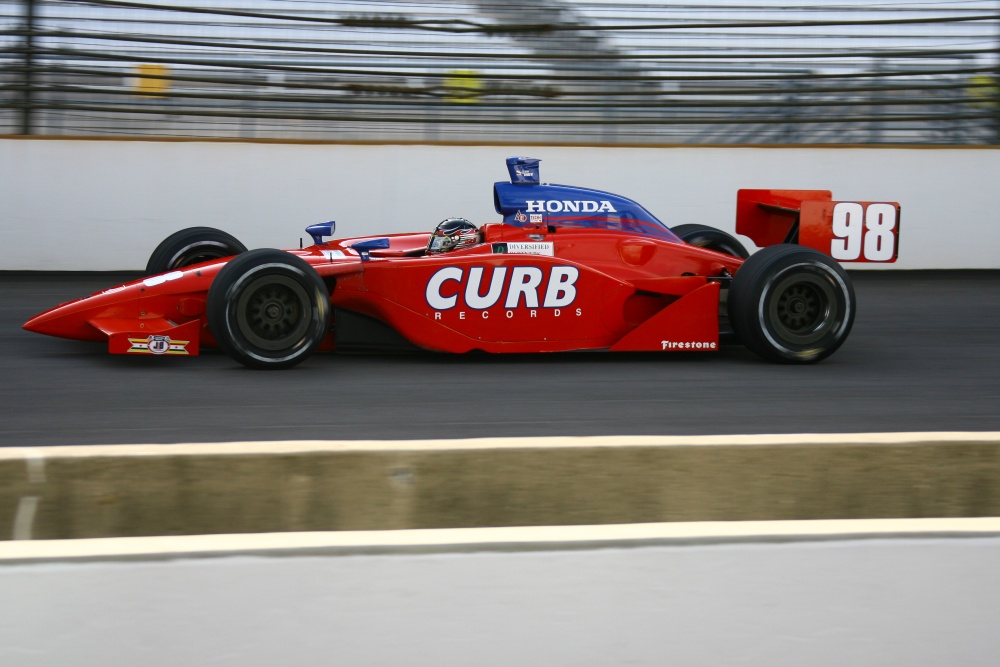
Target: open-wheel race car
[(567, 268)]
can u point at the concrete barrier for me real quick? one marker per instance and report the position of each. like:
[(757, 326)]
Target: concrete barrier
[(104, 204), (816, 593), (84, 492)]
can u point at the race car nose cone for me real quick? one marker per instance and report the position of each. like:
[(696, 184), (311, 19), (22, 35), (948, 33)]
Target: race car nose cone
[(44, 323), (64, 321)]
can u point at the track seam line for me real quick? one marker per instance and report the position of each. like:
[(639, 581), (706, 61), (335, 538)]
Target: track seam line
[(570, 442)]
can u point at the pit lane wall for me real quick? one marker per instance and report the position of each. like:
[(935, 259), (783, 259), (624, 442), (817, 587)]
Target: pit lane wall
[(123, 491), (103, 205)]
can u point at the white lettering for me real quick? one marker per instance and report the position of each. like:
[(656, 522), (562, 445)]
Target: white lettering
[(557, 312), (524, 280), (472, 296), (848, 229), (880, 239), (686, 345), (574, 206), (433, 293), (861, 234), (561, 290)]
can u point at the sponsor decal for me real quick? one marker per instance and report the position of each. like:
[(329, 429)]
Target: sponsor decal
[(157, 344), (564, 206), (535, 217), (688, 345), (520, 217), (159, 280), (334, 254), (519, 288), (523, 173), (546, 248)]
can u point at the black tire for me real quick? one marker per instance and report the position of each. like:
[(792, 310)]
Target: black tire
[(192, 246), (268, 309), (704, 236), (791, 304)]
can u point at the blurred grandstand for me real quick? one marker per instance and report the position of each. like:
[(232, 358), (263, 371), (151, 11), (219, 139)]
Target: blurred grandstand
[(599, 72)]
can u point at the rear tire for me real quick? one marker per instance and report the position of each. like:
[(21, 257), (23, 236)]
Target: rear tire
[(268, 309), (704, 236), (192, 246), (791, 304)]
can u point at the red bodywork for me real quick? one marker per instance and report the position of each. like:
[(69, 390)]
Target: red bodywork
[(594, 292), (847, 231), (588, 289)]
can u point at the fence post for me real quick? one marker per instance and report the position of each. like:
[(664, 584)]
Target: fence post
[(996, 86), (28, 79)]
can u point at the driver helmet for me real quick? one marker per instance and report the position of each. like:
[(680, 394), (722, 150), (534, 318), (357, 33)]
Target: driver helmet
[(451, 234)]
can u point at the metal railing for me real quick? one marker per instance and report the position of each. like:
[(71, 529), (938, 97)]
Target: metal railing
[(540, 71)]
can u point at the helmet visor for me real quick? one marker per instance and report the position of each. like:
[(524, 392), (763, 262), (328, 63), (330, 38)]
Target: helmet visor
[(440, 243)]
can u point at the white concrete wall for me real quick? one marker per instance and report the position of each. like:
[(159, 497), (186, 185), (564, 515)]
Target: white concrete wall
[(915, 601), (104, 205)]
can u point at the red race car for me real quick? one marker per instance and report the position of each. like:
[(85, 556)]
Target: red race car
[(568, 268)]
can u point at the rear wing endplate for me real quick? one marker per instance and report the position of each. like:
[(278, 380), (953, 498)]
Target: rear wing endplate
[(847, 231)]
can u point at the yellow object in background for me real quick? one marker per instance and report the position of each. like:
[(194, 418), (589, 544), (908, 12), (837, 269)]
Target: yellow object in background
[(984, 90), (463, 86), (151, 80)]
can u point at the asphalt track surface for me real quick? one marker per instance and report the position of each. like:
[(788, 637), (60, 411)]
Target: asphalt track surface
[(924, 355)]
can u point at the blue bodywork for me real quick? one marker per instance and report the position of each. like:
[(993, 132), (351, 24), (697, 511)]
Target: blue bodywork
[(320, 230), (526, 202), (365, 247)]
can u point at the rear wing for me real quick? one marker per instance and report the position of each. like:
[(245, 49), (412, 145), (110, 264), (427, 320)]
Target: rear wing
[(847, 231)]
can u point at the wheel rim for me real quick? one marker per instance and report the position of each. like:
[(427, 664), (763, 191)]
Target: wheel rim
[(802, 307), (272, 313)]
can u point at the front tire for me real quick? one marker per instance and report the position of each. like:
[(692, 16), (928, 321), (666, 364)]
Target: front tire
[(192, 246), (791, 304), (268, 309)]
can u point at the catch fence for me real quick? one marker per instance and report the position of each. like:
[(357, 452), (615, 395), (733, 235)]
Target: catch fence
[(540, 71)]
